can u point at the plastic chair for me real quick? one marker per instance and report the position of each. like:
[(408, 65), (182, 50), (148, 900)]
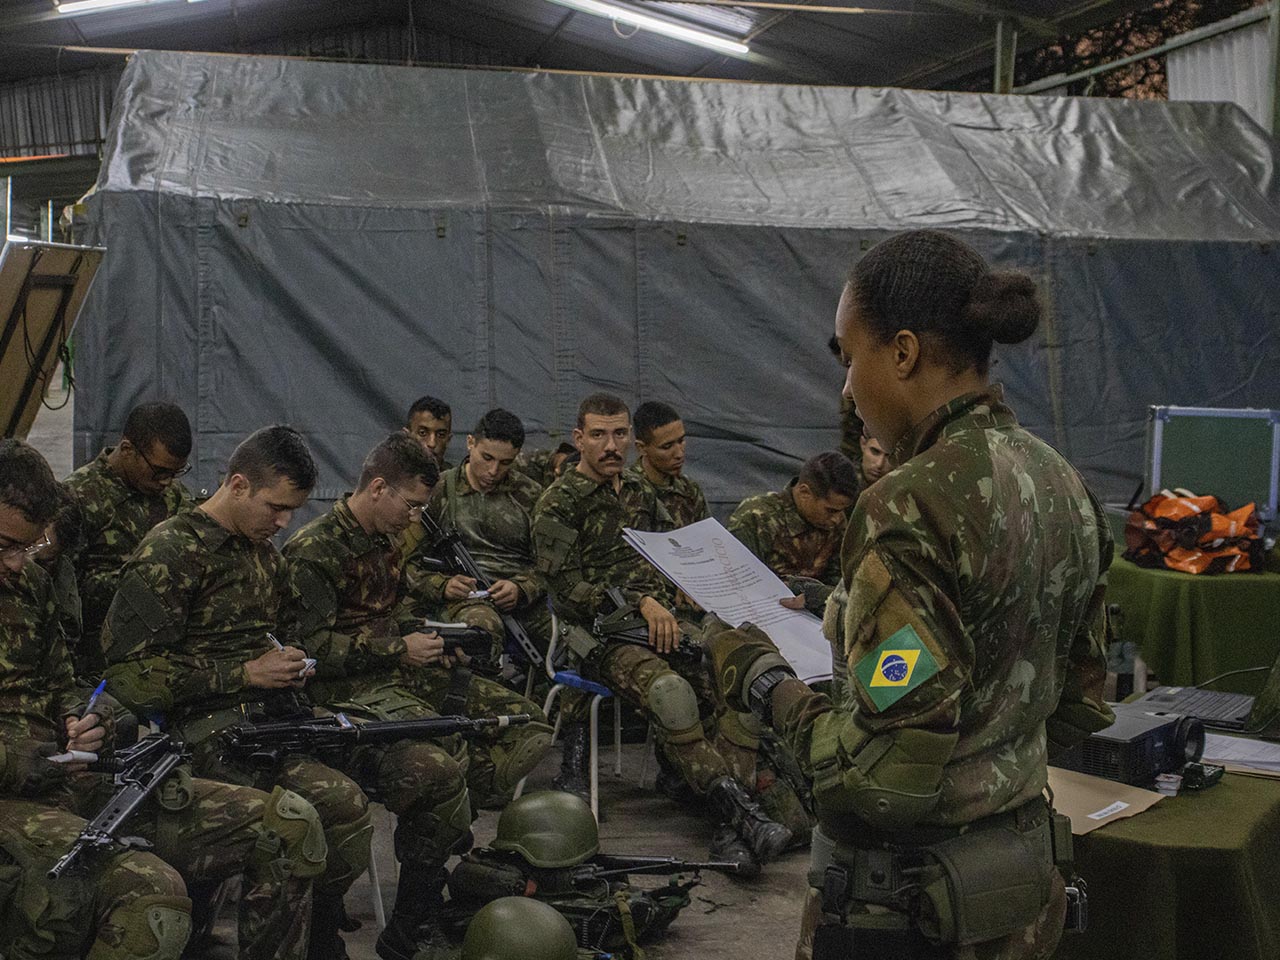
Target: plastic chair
[(562, 680)]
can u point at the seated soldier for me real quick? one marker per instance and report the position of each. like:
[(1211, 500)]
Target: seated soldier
[(349, 603), (797, 531), (660, 442), (430, 422), (578, 532), (190, 639), (875, 460), (545, 466), (123, 902), (124, 492), (489, 505)]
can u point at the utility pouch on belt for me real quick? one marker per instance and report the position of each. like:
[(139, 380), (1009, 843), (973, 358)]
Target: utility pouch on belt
[(987, 884)]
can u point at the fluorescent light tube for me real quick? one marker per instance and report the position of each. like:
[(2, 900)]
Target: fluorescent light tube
[(72, 7), (665, 27)]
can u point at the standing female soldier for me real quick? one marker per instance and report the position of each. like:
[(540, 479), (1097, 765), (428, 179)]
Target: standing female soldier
[(972, 627)]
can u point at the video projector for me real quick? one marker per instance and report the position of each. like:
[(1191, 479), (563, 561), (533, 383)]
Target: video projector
[(1141, 744)]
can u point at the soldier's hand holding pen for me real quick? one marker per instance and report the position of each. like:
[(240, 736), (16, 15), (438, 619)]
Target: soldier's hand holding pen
[(458, 587), (279, 667)]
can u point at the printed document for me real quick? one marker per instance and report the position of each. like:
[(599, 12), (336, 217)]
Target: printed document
[(722, 576)]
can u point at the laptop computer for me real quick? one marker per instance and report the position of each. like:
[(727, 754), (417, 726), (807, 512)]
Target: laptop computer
[(1225, 711)]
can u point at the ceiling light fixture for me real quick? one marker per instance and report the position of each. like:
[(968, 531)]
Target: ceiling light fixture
[(72, 7), (667, 28)]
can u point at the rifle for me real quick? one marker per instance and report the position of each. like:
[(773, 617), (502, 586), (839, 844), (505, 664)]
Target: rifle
[(625, 625), (139, 771), (604, 866), (462, 562), (264, 745), (475, 643)]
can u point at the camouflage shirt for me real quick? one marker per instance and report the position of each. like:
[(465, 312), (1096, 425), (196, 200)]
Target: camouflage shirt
[(195, 604), (347, 589), (496, 527), (772, 528), (577, 529), (680, 495), (116, 518), (974, 609), (538, 467), (37, 688)]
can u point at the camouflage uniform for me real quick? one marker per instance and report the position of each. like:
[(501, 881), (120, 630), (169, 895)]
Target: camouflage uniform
[(116, 518), (806, 557), (538, 467), (195, 604), (350, 598), (497, 529), (578, 532), (681, 496), (973, 632), (66, 601), (136, 902), (850, 433)]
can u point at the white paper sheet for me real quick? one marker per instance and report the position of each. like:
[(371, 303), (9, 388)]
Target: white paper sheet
[(1242, 751), (721, 575)]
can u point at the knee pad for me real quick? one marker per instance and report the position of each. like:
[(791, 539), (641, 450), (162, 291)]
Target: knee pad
[(349, 852), (428, 834), (741, 729), (673, 706), (154, 927), (291, 842), (514, 760)]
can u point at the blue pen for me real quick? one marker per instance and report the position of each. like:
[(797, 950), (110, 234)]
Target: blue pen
[(94, 698)]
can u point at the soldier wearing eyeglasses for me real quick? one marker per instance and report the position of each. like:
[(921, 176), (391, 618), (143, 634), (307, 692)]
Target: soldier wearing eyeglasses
[(124, 492)]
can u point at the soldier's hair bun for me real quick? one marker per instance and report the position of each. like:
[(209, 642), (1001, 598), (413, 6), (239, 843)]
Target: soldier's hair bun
[(1006, 305)]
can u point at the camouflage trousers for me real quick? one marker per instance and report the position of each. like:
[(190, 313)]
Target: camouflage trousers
[(534, 617), (496, 759), (341, 804), (133, 904), (423, 782), (1037, 941)]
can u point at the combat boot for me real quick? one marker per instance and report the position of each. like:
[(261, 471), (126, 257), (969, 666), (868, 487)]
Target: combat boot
[(765, 837), (419, 900), (327, 915), (670, 782), (726, 845), (574, 777)]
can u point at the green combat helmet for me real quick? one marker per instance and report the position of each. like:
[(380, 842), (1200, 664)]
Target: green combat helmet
[(547, 849), (517, 928), (548, 829)]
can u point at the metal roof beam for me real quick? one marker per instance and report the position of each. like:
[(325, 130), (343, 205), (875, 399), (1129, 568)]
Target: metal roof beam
[(990, 11)]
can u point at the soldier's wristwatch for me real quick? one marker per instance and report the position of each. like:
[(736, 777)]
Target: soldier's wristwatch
[(760, 693)]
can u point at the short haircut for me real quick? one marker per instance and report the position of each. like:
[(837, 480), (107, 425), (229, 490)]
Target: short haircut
[(499, 424), (27, 484), (273, 452), (829, 473), (602, 405), (565, 447), (149, 423), (651, 415), (397, 459), (437, 408), (68, 523)]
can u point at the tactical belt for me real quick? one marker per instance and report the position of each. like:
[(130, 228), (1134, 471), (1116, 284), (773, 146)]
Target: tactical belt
[(878, 866)]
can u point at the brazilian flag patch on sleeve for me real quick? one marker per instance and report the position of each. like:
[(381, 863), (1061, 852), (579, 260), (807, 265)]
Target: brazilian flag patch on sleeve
[(895, 668)]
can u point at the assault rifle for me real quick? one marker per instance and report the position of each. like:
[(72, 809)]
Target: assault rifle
[(264, 745), (605, 866), (461, 562), (475, 643), (139, 771), (626, 625)]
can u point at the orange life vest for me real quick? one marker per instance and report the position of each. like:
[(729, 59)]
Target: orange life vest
[(1180, 531)]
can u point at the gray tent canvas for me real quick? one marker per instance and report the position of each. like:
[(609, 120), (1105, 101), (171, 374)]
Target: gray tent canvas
[(319, 244)]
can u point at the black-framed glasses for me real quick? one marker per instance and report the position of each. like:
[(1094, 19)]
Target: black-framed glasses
[(29, 552), (413, 508), (160, 474)]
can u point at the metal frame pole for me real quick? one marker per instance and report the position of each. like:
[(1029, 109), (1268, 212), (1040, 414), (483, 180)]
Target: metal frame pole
[(1006, 54), (1273, 69)]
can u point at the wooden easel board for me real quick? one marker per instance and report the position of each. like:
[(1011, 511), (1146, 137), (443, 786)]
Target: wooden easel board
[(42, 289)]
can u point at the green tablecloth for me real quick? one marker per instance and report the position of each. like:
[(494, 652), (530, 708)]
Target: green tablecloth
[(1191, 628), (1196, 877)]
